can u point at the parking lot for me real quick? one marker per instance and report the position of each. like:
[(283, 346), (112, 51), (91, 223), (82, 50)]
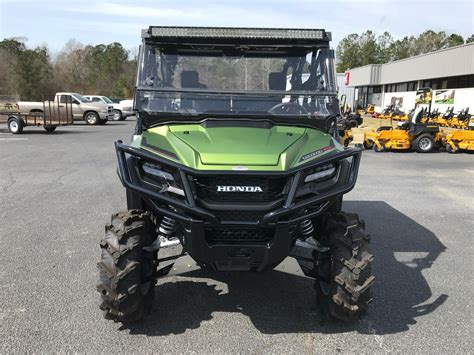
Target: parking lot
[(58, 191)]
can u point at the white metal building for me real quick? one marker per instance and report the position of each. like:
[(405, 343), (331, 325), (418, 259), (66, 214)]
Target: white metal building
[(448, 72), (345, 90)]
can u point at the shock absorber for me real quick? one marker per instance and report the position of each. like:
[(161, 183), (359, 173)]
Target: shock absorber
[(306, 228), (165, 235), (166, 227)]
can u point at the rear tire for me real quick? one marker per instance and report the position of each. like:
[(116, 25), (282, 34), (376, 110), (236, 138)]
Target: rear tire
[(424, 143), (343, 274), (127, 283), (15, 125)]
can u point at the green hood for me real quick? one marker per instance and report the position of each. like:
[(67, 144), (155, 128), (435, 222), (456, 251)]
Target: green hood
[(275, 148)]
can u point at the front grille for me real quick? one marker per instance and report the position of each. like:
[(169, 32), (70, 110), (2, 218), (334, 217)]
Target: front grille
[(239, 235), (271, 188)]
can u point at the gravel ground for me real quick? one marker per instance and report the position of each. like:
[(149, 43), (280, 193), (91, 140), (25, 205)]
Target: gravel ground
[(57, 192)]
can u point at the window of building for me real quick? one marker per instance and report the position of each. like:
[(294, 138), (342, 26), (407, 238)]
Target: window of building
[(412, 86), (398, 87), (464, 81), (453, 82), (377, 89), (401, 87), (471, 81)]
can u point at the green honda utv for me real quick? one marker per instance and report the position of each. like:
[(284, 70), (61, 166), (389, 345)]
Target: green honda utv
[(235, 157)]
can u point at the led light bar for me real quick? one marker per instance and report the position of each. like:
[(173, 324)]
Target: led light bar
[(230, 32)]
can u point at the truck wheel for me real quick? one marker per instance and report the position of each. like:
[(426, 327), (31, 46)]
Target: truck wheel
[(15, 125), (126, 280), (49, 129), (343, 274), (117, 115), (424, 143), (92, 118)]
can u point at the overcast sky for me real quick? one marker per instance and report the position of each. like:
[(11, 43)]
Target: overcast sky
[(54, 22)]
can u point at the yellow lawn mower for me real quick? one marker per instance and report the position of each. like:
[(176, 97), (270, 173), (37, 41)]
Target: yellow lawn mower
[(412, 134), (456, 141), (442, 120), (462, 120)]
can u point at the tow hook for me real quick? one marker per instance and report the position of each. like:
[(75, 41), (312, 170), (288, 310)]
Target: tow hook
[(311, 243), (161, 243)]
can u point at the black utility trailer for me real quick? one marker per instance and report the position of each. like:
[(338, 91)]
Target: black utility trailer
[(52, 115)]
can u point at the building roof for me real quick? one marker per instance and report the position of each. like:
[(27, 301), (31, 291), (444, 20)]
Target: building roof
[(454, 61)]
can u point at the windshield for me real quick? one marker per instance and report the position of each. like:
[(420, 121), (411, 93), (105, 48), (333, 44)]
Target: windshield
[(107, 100), (81, 98), (237, 81)]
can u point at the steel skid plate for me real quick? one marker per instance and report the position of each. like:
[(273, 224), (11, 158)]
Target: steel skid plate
[(185, 264)]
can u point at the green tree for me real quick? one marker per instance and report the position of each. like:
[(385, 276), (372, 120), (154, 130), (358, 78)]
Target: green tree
[(385, 47), (454, 40), (34, 74), (348, 53), (402, 48), (369, 49), (430, 41), (470, 39)]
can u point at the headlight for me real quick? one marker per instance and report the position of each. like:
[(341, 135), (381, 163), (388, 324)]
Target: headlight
[(162, 179), (321, 173)]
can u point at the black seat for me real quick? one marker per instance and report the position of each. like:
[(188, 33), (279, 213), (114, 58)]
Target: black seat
[(276, 81), (190, 80), (200, 102), (404, 124)]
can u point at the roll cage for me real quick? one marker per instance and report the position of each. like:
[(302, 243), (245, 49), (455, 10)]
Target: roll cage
[(160, 97)]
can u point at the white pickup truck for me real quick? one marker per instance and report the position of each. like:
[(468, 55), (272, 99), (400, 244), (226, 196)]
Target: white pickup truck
[(92, 113), (122, 110)]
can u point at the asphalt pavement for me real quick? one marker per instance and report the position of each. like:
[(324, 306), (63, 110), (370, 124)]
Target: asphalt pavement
[(57, 192)]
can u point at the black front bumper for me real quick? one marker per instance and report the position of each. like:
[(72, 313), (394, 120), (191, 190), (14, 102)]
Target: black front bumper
[(242, 243)]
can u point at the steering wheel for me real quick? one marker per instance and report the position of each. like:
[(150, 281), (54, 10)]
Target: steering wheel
[(288, 108)]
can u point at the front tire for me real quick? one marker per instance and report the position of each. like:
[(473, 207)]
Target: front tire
[(450, 149), (368, 144), (343, 274), (381, 149), (92, 118), (126, 280), (117, 115)]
